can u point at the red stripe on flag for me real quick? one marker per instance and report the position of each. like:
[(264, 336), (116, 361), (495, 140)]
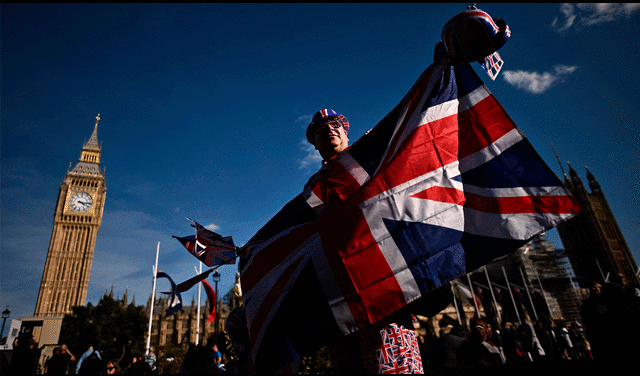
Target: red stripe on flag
[(525, 204), (557, 204), (482, 125), (442, 194)]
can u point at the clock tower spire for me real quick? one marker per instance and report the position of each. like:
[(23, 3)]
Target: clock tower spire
[(76, 222)]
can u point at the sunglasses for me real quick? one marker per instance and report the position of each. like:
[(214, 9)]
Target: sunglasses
[(110, 368), (333, 124)]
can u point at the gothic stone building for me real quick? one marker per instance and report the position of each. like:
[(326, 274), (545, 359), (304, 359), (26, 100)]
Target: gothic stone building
[(180, 328), (592, 240), (76, 221)]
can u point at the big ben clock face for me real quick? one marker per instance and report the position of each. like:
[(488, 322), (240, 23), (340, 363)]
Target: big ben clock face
[(80, 202)]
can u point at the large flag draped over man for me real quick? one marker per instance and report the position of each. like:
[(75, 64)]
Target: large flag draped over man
[(442, 185)]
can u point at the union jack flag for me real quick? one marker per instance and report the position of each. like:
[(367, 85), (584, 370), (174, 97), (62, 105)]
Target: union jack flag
[(492, 65), (398, 353), (209, 247), (444, 184)]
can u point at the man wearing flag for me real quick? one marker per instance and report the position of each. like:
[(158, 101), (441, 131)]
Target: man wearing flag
[(391, 345), (442, 185)]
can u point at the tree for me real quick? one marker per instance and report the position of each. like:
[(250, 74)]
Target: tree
[(112, 327)]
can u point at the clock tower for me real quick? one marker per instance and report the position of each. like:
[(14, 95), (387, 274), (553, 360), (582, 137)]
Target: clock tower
[(76, 221)]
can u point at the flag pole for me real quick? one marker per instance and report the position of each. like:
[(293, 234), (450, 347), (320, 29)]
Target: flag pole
[(455, 304), (153, 298), (575, 290), (524, 281), (513, 300), (473, 296), (544, 295), (198, 310), (493, 296), (601, 272)]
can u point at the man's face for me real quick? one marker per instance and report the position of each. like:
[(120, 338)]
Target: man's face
[(330, 139)]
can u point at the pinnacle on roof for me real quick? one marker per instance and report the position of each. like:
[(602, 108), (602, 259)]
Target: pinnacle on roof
[(93, 140)]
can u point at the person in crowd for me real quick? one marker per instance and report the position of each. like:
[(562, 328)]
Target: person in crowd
[(531, 347), (136, 366), (23, 348), (90, 362), (593, 312), (199, 360), (510, 343), (59, 362), (496, 340), (622, 307), (113, 367), (549, 338), (217, 355), (476, 351), (566, 345), (150, 359)]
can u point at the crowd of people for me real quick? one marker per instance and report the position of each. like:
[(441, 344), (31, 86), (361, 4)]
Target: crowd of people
[(513, 343), (92, 363), (606, 335)]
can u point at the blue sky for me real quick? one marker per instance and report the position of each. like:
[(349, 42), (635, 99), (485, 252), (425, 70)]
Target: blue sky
[(204, 107)]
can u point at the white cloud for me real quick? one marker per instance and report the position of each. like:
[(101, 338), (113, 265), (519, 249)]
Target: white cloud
[(212, 227), (303, 119), (312, 158), (537, 83), (567, 11), (588, 14)]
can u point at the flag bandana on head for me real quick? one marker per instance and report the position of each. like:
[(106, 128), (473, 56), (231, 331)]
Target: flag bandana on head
[(444, 184)]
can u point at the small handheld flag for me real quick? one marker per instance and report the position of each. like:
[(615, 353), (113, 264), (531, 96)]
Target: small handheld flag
[(209, 247)]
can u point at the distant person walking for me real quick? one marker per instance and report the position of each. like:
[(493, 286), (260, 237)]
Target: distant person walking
[(59, 362)]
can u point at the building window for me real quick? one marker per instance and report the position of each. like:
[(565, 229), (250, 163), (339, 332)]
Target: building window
[(169, 325)]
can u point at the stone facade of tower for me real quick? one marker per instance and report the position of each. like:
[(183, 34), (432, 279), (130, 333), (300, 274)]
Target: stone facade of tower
[(76, 222), (592, 240)]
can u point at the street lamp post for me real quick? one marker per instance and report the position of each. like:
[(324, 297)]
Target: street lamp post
[(216, 279), (5, 316)]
